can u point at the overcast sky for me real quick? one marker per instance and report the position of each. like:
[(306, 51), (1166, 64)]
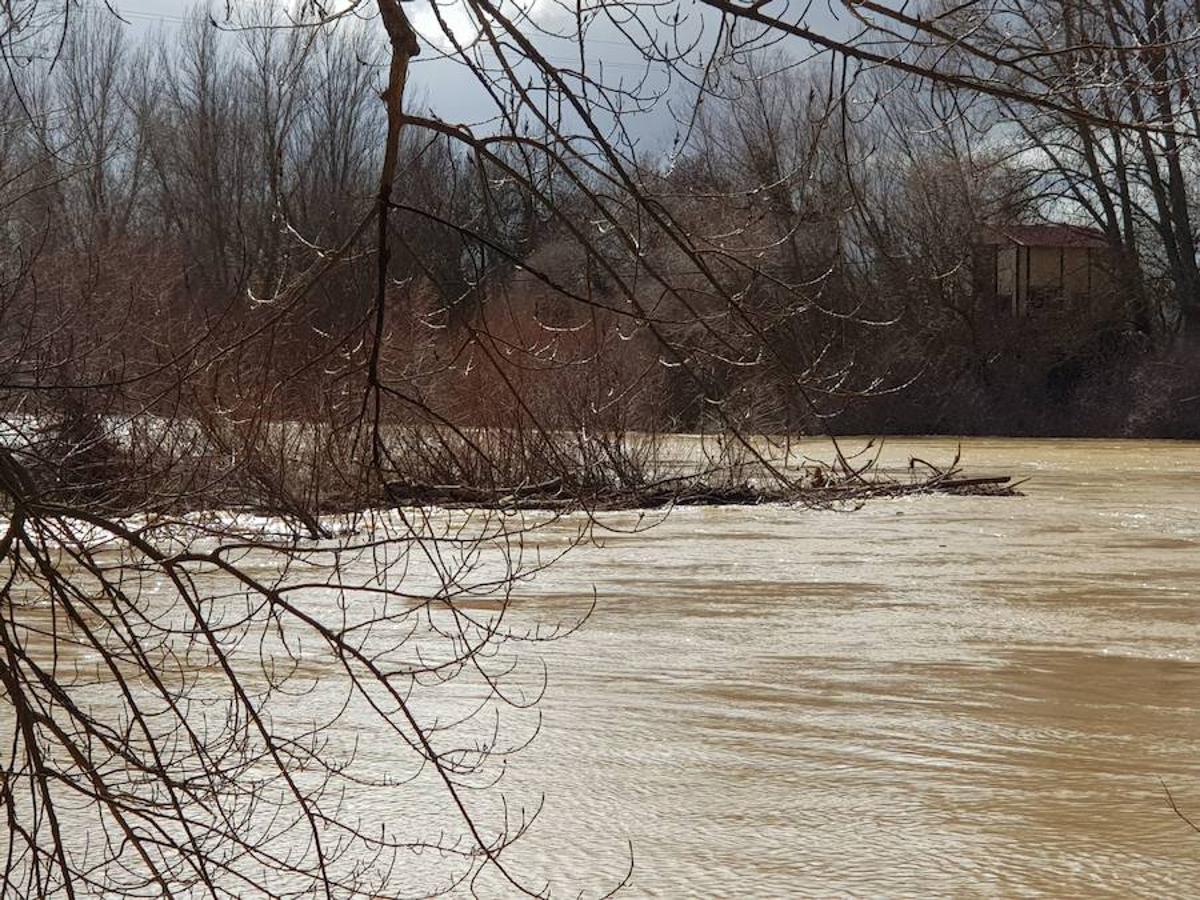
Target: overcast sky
[(455, 98)]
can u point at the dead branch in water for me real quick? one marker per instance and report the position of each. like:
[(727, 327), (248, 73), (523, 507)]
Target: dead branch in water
[(558, 494)]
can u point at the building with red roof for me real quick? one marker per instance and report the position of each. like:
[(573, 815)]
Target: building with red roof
[(1024, 269)]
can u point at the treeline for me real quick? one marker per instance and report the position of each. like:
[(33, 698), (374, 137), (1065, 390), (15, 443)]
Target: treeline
[(799, 260)]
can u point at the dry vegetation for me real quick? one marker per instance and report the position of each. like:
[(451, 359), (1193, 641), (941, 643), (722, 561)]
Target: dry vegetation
[(245, 266)]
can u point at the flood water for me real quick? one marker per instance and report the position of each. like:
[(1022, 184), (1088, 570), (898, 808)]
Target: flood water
[(928, 696), (962, 696)]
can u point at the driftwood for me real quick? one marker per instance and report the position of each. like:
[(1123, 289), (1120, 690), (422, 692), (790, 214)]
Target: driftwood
[(561, 494)]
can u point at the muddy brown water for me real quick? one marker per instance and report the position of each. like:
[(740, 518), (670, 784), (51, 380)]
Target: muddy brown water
[(931, 696)]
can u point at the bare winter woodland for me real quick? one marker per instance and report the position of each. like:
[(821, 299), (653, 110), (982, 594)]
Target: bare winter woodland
[(246, 268)]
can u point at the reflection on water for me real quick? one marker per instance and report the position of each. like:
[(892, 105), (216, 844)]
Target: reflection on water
[(941, 695)]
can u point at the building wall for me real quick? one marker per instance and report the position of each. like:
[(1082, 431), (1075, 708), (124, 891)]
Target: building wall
[(1006, 279), (1024, 280), (1078, 271), (1045, 269)]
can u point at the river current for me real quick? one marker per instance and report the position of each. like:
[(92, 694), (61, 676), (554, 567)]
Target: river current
[(931, 696), (926, 696)]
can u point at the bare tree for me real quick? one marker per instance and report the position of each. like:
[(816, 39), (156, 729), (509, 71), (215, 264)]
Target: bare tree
[(223, 565)]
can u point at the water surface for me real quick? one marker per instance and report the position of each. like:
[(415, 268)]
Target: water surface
[(937, 695), (929, 696)]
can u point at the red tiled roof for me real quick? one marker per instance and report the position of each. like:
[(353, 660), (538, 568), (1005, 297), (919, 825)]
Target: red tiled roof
[(1044, 236)]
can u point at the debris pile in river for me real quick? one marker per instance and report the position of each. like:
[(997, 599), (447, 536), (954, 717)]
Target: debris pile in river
[(816, 488)]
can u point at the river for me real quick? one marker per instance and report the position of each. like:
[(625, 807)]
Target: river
[(930, 696)]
